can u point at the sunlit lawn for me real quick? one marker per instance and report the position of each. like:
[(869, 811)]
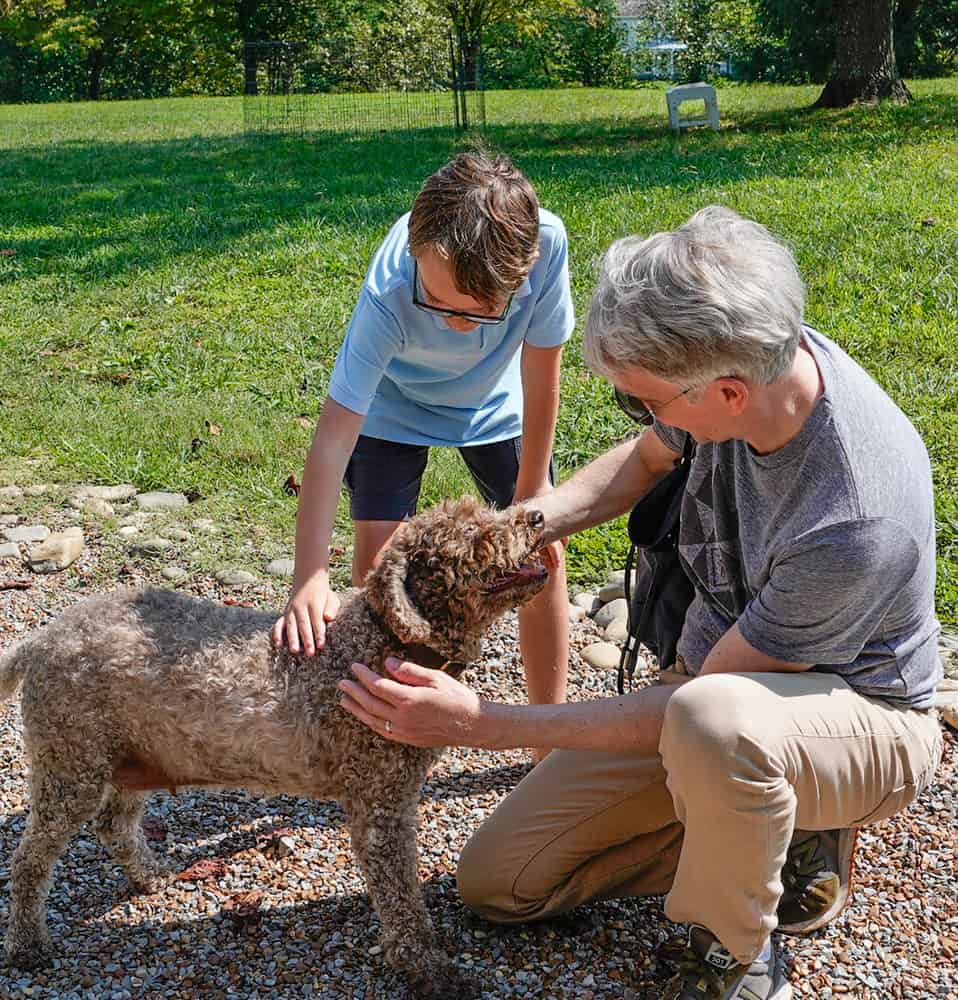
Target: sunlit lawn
[(168, 271)]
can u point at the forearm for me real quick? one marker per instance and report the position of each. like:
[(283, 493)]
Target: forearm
[(629, 723), (314, 520), (604, 489), (540, 408), (322, 483)]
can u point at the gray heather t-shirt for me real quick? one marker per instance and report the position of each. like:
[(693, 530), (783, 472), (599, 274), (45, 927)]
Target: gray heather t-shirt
[(824, 550)]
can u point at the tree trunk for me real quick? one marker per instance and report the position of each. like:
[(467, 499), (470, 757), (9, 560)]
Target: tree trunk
[(864, 67), (95, 63)]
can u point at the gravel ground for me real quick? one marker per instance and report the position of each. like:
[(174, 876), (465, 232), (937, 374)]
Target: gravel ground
[(307, 929)]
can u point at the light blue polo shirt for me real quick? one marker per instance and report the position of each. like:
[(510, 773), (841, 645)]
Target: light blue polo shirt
[(418, 382)]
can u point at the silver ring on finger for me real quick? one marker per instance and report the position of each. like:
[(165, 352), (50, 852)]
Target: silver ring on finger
[(388, 726)]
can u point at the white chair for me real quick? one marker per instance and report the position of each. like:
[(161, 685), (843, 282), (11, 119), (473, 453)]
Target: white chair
[(675, 96)]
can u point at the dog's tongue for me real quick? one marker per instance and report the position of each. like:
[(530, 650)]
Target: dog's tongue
[(526, 573)]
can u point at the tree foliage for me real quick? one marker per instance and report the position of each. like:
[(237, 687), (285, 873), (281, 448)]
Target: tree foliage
[(579, 48), (74, 49)]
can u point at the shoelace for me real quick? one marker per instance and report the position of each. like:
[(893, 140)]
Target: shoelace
[(693, 966), (810, 896)]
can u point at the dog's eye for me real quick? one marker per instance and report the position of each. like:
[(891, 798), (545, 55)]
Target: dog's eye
[(433, 562)]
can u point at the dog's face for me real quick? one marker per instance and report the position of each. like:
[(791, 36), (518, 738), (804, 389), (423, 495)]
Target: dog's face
[(450, 572)]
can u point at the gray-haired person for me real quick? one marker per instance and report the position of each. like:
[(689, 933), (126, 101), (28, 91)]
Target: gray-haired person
[(809, 647)]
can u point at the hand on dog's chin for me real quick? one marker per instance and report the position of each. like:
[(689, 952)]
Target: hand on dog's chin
[(551, 554)]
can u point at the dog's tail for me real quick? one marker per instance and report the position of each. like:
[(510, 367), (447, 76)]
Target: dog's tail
[(13, 668)]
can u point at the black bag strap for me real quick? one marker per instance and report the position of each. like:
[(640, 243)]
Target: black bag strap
[(654, 525)]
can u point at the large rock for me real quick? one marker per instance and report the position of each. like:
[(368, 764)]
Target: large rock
[(950, 714), (617, 630), (57, 552), (946, 696), (10, 492), (612, 592), (10, 550), (588, 602), (948, 651), (602, 655), (607, 614)]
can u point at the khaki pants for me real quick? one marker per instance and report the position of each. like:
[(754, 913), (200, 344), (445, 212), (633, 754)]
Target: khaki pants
[(744, 760)]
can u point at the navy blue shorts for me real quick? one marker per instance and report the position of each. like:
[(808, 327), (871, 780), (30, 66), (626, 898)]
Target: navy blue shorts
[(384, 477)]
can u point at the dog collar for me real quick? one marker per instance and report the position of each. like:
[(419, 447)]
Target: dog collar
[(417, 652), (426, 656)]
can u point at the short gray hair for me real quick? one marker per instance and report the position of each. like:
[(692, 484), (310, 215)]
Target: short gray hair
[(718, 296)]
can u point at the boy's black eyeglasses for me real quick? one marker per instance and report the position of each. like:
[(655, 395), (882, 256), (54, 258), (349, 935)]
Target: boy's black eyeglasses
[(439, 311)]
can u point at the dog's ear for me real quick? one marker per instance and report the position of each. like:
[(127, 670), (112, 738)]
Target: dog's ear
[(386, 591)]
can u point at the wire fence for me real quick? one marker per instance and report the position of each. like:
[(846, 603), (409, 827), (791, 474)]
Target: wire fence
[(289, 87)]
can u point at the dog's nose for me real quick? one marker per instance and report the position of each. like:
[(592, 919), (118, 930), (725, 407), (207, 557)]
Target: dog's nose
[(535, 519)]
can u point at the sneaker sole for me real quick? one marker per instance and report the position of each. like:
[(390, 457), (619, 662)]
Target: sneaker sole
[(847, 841)]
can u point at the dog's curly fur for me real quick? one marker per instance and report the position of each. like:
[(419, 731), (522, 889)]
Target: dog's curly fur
[(151, 688)]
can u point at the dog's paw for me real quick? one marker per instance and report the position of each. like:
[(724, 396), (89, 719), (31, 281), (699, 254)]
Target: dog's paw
[(444, 982), (146, 881), (35, 955)]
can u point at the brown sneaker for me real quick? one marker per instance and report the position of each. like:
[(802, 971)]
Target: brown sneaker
[(817, 876), (708, 972)]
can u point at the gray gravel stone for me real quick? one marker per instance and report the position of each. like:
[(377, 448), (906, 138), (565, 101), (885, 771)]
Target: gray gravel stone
[(93, 505), (153, 545), (26, 533), (57, 552), (281, 567), (112, 494), (235, 578), (159, 500)]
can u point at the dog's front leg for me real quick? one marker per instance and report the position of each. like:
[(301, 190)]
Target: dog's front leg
[(384, 841)]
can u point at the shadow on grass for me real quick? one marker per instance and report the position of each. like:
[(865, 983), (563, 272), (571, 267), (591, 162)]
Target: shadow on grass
[(94, 210)]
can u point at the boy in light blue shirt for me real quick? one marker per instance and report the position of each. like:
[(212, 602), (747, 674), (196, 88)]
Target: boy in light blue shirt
[(456, 341)]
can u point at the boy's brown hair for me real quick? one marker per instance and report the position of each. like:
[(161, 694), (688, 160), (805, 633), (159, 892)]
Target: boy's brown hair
[(481, 214)]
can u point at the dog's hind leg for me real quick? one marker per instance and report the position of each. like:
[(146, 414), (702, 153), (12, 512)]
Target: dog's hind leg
[(384, 842), (119, 830), (59, 807)]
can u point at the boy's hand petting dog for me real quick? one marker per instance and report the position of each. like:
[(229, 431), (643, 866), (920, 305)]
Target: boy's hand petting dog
[(421, 707), (303, 625)]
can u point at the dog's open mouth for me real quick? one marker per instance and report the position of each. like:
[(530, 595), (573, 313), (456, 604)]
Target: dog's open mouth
[(526, 575)]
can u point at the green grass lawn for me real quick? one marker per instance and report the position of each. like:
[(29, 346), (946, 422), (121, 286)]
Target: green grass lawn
[(170, 272)]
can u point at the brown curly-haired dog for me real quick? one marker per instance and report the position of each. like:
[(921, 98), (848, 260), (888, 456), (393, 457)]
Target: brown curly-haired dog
[(150, 688)]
